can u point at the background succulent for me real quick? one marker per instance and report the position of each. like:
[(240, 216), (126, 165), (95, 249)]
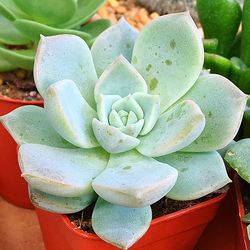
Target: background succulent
[(22, 22), (130, 133)]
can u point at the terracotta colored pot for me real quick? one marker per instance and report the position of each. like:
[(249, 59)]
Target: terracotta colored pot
[(243, 241), (12, 186), (177, 231)]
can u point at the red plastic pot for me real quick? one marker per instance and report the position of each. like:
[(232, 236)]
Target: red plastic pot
[(12, 186), (243, 241), (177, 231)]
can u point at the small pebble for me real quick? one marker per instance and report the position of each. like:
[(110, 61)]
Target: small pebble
[(20, 73), (1, 81), (136, 15), (33, 93)]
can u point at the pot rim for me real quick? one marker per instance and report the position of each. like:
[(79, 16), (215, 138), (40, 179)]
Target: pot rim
[(154, 222), (17, 101)]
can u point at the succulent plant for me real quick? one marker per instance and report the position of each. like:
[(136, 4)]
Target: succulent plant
[(22, 22), (130, 121), (238, 157)]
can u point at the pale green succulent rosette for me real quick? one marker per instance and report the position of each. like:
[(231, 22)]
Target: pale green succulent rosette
[(131, 121), (22, 22)]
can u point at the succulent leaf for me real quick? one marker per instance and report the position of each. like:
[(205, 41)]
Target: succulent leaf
[(5, 65), (29, 124), (85, 10), (18, 58), (174, 130), (169, 59), (70, 114), (61, 172), (120, 78), (238, 157), (125, 225), (117, 40), (150, 105), (104, 106), (65, 57), (46, 12), (32, 30), (199, 174), (57, 204), (95, 28), (128, 180), (219, 100), (10, 11), (9, 34), (112, 139), (133, 129)]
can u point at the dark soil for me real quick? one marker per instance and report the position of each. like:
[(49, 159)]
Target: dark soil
[(82, 219), (19, 84)]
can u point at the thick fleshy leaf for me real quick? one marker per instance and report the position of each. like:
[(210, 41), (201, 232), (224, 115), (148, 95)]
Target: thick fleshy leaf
[(65, 57), (32, 30), (46, 12), (120, 78), (117, 40), (104, 106), (19, 58), (133, 129), (199, 174), (61, 205), (120, 226), (133, 180), (169, 55), (10, 11), (61, 172), (150, 105), (95, 28), (6, 65), (29, 124), (128, 104), (70, 114), (112, 139), (85, 10), (238, 157), (223, 105), (9, 34), (223, 151), (174, 130)]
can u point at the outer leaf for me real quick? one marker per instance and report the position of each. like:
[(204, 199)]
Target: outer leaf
[(95, 28), (32, 30), (169, 55), (112, 139), (85, 10), (238, 157), (57, 204), (120, 78), (174, 130), (219, 100), (29, 124), (18, 58), (65, 57), (70, 114), (125, 225), (199, 174), (150, 105), (58, 171), (116, 40), (45, 12), (6, 65), (133, 180), (10, 11), (9, 34)]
